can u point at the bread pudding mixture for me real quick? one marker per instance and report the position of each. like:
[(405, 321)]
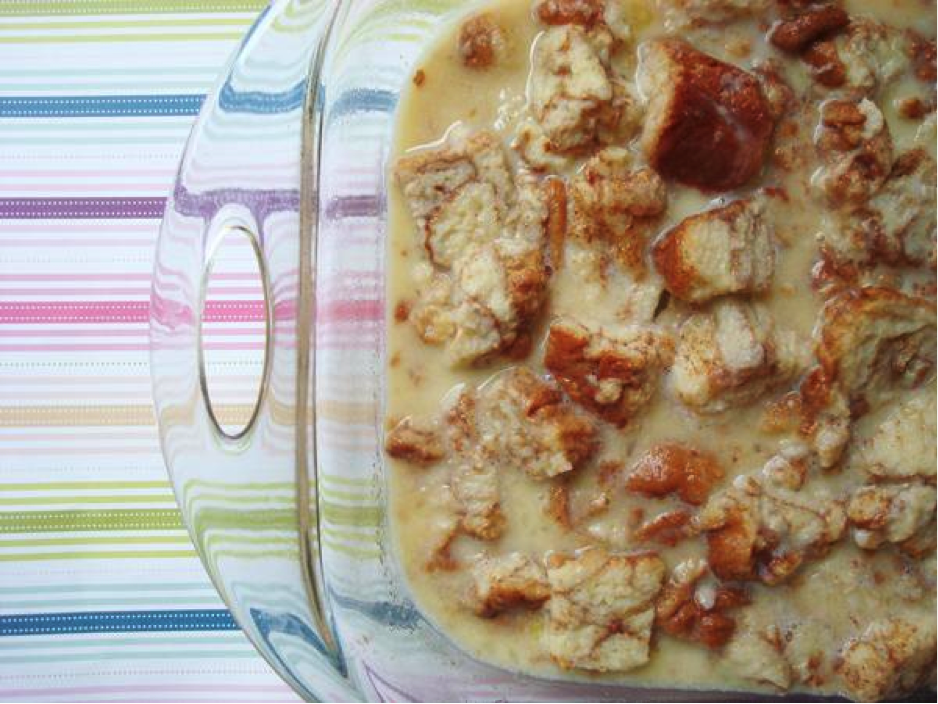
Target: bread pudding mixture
[(661, 398)]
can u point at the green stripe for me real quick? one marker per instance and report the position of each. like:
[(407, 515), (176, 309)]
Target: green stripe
[(52, 644), (238, 486), (132, 23), (25, 8), (82, 520), (289, 555), (57, 486), (126, 499), (101, 555), (332, 479), (240, 539), (367, 538), (360, 516), (342, 495), (194, 502), (95, 540), (110, 38), (295, 18), (217, 518), (353, 552), (193, 497)]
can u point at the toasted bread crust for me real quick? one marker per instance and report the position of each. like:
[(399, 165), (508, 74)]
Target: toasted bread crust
[(708, 124), (717, 252), (582, 12), (680, 613), (481, 42), (412, 442), (506, 582), (673, 468), (795, 33)]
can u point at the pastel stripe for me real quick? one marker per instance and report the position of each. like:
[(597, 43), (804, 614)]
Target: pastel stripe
[(118, 519), (52, 208), (100, 38), (21, 8), (106, 587), (264, 103), (45, 312), (76, 643), (216, 311), (100, 105), (124, 415), (116, 622), (96, 101), (213, 689), (129, 22)]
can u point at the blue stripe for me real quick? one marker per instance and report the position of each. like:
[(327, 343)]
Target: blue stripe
[(116, 622), (100, 105), (231, 100), (363, 100)]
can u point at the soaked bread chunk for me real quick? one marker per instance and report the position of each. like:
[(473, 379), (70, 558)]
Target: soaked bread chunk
[(601, 608)]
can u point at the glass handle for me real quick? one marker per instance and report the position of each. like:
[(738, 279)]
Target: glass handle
[(227, 234)]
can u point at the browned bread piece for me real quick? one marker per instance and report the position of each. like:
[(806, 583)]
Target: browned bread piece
[(613, 374), (707, 123), (507, 581), (717, 252)]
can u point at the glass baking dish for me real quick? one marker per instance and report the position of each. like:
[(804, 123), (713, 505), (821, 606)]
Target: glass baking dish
[(269, 391)]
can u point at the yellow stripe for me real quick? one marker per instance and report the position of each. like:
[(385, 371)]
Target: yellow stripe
[(130, 23), (347, 412), (103, 415), (101, 38), (100, 555)]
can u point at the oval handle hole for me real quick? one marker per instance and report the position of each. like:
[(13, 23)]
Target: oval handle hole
[(234, 332)]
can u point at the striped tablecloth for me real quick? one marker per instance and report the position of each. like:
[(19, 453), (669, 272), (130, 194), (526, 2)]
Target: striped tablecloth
[(101, 594)]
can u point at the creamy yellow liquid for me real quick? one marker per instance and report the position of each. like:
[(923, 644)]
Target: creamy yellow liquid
[(836, 589)]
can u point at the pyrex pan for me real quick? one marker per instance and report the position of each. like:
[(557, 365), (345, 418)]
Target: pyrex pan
[(267, 339)]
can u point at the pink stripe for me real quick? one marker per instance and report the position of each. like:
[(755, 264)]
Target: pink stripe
[(118, 291), (131, 347), (41, 312), (121, 689), (351, 310), (71, 276), (118, 276), (210, 331), (173, 313), (113, 291), (248, 699)]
